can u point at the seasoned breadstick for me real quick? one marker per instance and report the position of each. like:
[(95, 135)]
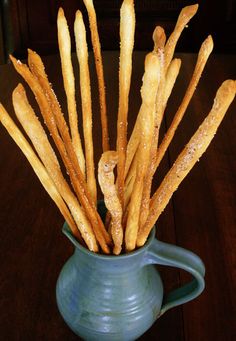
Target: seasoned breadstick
[(203, 55), (106, 180), (37, 68), (82, 55), (166, 85), (76, 176), (185, 16), (38, 168), (64, 44), (127, 28), (147, 116), (189, 156), (159, 39), (99, 69), (34, 130)]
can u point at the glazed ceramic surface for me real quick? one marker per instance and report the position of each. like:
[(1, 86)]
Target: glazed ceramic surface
[(119, 297)]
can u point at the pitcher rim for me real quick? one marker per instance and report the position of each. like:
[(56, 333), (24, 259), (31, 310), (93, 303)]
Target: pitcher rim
[(67, 232)]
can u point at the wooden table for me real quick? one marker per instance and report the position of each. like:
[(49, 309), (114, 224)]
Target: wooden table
[(201, 217)]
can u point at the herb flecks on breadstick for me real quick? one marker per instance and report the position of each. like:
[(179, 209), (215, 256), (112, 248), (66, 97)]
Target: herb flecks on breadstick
[(64, 44), (188, 157), (99, 69), (85, 89), (127, 28), (147, 116), (106, 180)]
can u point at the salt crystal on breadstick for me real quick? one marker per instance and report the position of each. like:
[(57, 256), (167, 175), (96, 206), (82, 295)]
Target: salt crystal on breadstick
[(106, 180), (188, 157), (36, 133), (99, 69), (85, 89), (64, 44)]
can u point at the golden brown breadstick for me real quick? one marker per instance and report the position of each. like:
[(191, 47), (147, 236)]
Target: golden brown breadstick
[(166, 85), (127, 28), (37, 135), (148, 94), (76, 176), (99, 69), (204, 52), (188, 157), (64, 44), (159, 38), (171, 75), (82, 55), (159, 113), (37, 68), (106, 180), (38, 168), (185, 16)]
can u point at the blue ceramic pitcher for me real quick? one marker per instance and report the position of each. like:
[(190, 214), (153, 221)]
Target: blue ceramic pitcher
[(118, 298)]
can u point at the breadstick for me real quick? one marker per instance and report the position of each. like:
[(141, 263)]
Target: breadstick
[(39, 169), (204, 53), (37, 68), (159, 38), (76, 176), (166, 85), (82, 55), (185, 16), (171, 76), (106, 180), (159, 35), (34, 130), (127, 28), (99, 69), (148, 94), (64, 44), (189, 156)]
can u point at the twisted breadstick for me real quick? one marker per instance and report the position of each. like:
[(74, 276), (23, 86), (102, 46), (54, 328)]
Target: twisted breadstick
[(106, 180)]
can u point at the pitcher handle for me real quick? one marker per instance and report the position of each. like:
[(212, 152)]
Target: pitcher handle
[(170, 255)]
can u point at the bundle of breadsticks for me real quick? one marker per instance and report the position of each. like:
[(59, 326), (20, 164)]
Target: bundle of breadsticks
[(132, 208)]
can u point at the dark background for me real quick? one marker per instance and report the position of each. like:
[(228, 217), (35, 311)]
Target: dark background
[(26, 23)]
